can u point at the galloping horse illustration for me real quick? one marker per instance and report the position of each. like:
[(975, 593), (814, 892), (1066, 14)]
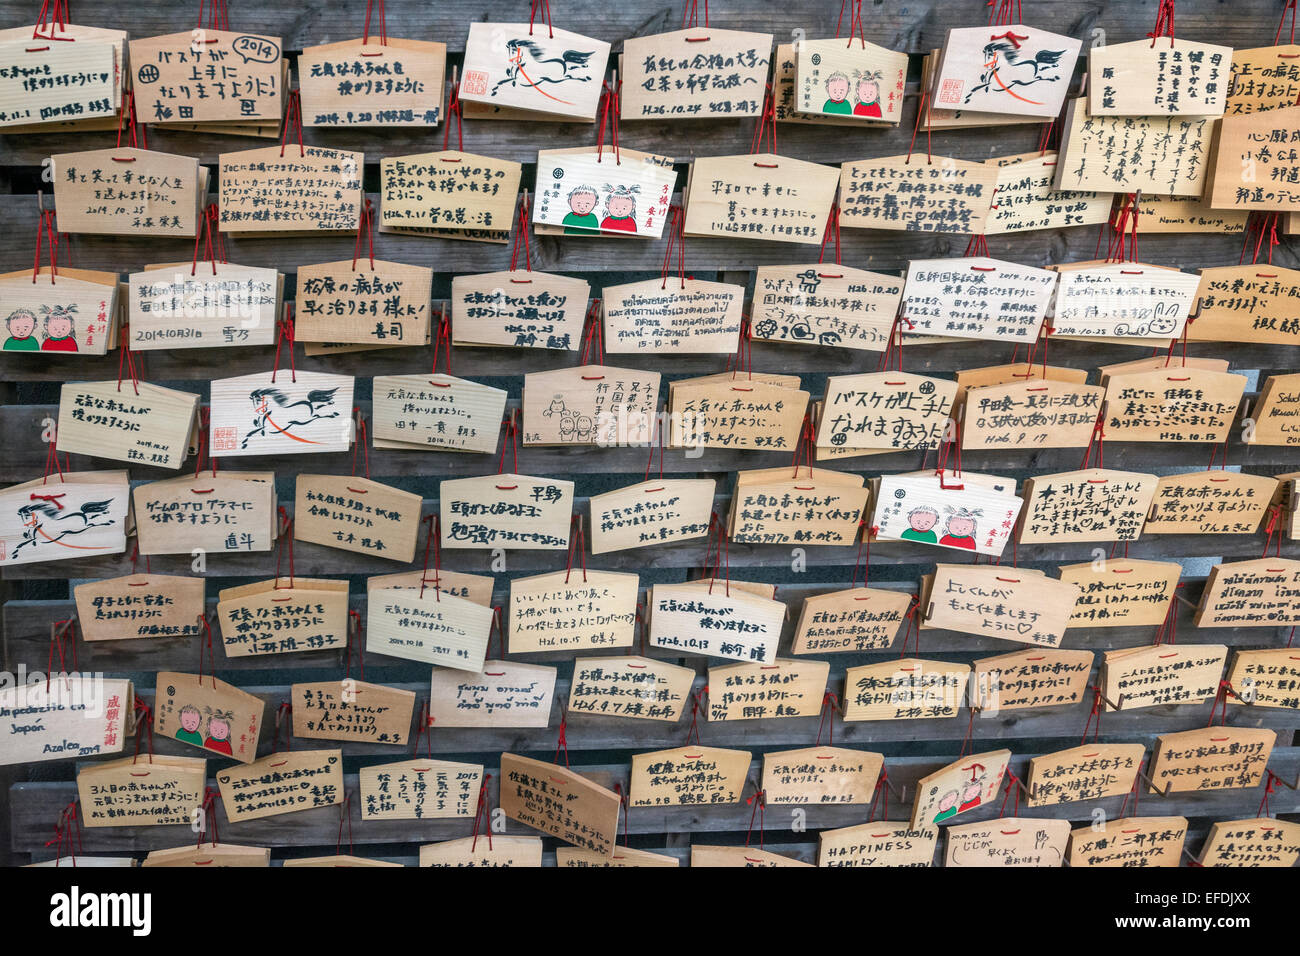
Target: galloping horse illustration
[(316, 400), (36, 516), (528, 69), (1005, 67)]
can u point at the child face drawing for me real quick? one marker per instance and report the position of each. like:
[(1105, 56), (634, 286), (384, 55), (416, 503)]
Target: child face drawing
[(922, 520), (582, 203), (868, 91), (218, 729), (620, 207), (59, 326), (972, 792), (21, 325), (948, 801), (961, 527), (837, 89), (190, 720)]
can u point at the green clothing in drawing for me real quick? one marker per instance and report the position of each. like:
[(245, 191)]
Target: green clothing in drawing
[(190, 737), (28, 344), (945, 814), (843, 107), (575, 225), (911, 534)]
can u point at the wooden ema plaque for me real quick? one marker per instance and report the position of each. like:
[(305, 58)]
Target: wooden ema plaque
[(684, 316), (1136, 302), (623, 856), (784, 688), (228, 77), (436, 413), (271, 413), (941, 119), (581, 192), (963, 785), (1210, 758), (1161, 674), (1098, 504), (572, 610), (885, 410), (885, 843), (1209, 502), (391, 82), (1260, 593), (636, 687), (203, 305), (559, 802), (963, 513), (1000, 602), (135, 422), (1173, 405), (907, 689), (1123, 592), (140, 606), (367, 301), (650, 513), (1038, 677), (736, 412), (224, 512), (304, 191), (78, 515), (1028, 201), (983, 72), (739, 856), (856, 619), (799, 505), (282, 783), (944, 195), (1249, 303), (1263, 78), (352, 710), (688, 776), (154, 790), (1091, 772), (977, 297), (503, 694), (784, 97), (220, 855), (1265, 678), (506, 511), (97, 192), (590, 405), (551, 71), (821, 775), (1277, 413), (429, 626), (65, 717), (700, 73), (850, 78), (1250, 167), (1030, 413), (283, 615), (759, 196), (1007, 842), (357, 514), (419, 789), (820, 304), (1143, 78), (1262, 841), (718, 621), (449, 193), (520, 309), (208, 713), (75, 314), (482, 852), (43, 85), (1130, 842)]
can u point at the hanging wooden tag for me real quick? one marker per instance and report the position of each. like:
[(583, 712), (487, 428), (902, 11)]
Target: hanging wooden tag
[(74, 314), (357, 514), (688, 776), (940, 119), (190, 305), (759, 196), (560, 802), (851, 78), (77, 514), (97, 191), (436, 412), (590, 405), (271, 413), (584, 193), (548, 71), (882, 843), (294, 191), (784, 688), (472, 587), (672, 317), (1263, 78), (1260, 593), (824, 304), (638, 687), (1277, 412), (797, 506), (1008, 842), (523, 309), (1031, 413), (572, 610), (1210, 758), (141, 423), (1091, 772), (963, 785), (282, 783), (224, 77), (64, 717), (367, 301), (975, 518), (906, 689), (138, 606), (503, 694), (434, 628), (419, 789), (1173, 405), (623, 856), (1026, 200), (225, 512), (739, 413), (737, 626), (1265, 678), (1263, 841), (885, 410), (1129, 842), (1210, 502), (1000, 602), (651, 512), (1122, 592), (1021, 70), (208, 713), (155, 790), (738, 856), (1167, 214), (939, 194), (785, 104), (700, 73), (352, 710), (1123, 300), (283, 616), (1250, 303), (1098, 504), (506, 511), (821, 775), (220, 855), (977, 297), (450, 193), (1038, 677), (471, 851), (1161, 674), (43, 84), (1252, 167), (392, 82), (856, 619), (1131, 153), (1149, 79)]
